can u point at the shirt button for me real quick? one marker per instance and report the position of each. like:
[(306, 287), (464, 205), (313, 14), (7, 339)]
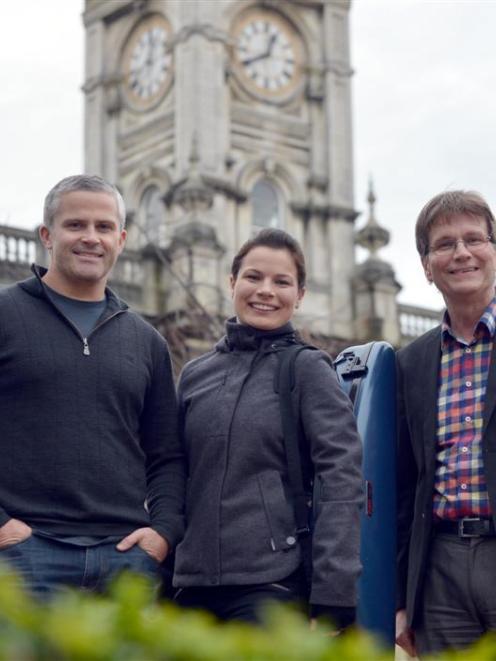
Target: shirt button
[(468, 383), (468, 350), (468, 418), (464, 449), (291, 541), (463, 486)]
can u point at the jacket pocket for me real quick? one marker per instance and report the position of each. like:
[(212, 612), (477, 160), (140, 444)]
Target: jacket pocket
[(278, 511)]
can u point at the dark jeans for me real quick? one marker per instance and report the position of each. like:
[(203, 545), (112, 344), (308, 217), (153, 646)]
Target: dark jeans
[(459, 599), (47, 565), (243, 602)]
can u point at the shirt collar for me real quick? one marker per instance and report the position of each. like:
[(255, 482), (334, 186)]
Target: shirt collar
[(487, 322)]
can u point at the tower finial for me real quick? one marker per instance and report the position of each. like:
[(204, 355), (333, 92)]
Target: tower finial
[(372, 237), (371, 199)]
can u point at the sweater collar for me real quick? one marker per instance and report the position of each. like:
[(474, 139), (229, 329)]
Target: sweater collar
[(245, 338), (36, 287)]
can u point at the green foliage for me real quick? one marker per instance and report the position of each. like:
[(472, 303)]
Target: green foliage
[(128, 625)]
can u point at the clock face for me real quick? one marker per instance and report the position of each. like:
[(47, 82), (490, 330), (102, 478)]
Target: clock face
[(147, 63), (268, 54)]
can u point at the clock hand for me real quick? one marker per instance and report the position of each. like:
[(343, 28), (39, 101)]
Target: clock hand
[(265, 53), (271, 43), (255, 58)]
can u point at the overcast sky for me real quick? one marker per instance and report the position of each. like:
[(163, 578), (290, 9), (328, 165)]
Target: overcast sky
[(424, 95)]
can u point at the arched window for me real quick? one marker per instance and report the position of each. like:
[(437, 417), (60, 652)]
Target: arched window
[(266, 205), (152, 215)]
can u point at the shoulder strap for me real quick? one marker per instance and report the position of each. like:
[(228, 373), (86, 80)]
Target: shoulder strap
[(284, 385)]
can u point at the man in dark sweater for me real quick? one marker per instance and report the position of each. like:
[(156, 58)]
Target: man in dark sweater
[(92, 472)]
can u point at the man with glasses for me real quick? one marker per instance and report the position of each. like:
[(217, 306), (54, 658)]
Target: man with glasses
[(447, 437)]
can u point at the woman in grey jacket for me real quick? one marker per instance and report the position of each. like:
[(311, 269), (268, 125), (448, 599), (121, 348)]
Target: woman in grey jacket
[(240, 547)]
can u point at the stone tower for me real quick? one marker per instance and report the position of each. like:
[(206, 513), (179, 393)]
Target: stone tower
[(216, 118)]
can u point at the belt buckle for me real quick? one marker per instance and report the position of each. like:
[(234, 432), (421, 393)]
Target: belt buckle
[(461, 526)]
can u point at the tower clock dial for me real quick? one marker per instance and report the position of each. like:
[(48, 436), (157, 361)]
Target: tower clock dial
[(268, 54), (147, 63)]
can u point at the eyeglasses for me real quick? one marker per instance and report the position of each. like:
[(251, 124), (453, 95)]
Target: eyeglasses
[(449, 246)]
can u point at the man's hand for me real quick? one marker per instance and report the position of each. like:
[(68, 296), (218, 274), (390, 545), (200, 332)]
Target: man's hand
[(13, 532), (147, 539), (404, 635)]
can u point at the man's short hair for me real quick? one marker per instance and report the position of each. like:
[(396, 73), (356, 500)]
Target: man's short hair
[(81, 182), (444, 206)]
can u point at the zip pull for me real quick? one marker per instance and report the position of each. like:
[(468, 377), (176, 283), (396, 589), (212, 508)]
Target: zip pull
[(86, 348)]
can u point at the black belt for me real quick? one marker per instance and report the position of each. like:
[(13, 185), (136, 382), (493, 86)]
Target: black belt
[(467, 527)]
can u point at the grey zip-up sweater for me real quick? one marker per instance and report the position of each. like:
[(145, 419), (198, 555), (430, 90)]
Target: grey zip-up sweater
[(240, 522), (88, 426)]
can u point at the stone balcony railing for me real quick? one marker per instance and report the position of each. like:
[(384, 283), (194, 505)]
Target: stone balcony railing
[(17, 253), (416, 320)]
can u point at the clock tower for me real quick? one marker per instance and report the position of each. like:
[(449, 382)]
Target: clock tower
[(217, 118)]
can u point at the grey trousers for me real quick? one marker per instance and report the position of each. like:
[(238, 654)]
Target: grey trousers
[(459, 597)]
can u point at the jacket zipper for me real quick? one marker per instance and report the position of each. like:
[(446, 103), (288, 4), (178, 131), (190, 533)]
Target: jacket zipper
[(258, 355), (86, 346)]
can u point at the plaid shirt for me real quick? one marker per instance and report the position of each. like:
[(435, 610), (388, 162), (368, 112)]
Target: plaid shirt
[(460, 486)]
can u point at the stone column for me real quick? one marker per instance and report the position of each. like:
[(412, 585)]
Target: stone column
[(200, 85)]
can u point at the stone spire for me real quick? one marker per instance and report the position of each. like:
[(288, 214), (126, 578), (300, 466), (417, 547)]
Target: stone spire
[(372, 237), (375, 283)]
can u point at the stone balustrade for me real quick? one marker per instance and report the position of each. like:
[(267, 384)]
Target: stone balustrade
[(17, 253), (416, 320)]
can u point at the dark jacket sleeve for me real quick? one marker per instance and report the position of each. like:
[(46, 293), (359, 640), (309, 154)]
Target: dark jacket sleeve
[(406, 485), (336, 453), (165, 465), (4, 516)]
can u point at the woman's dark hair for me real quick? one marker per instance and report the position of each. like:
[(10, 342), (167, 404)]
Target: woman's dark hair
[(278, 240)]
